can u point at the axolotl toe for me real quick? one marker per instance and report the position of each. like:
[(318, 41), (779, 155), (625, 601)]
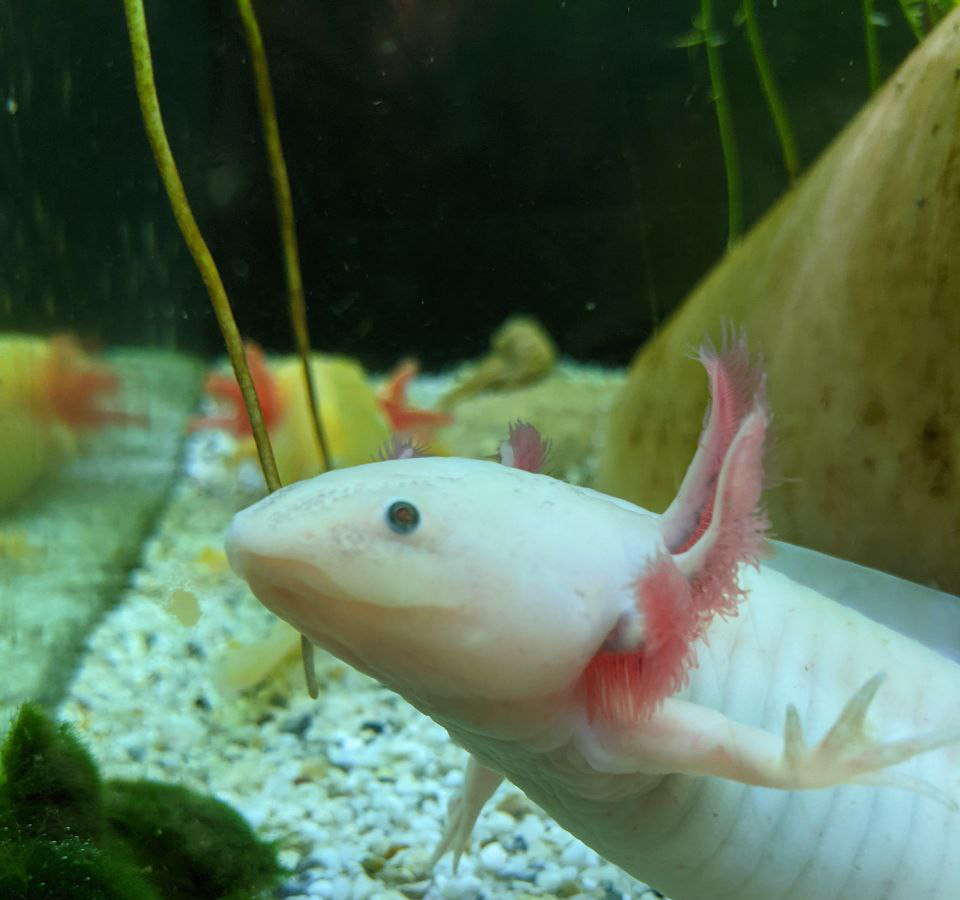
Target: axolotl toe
[(712, 726)]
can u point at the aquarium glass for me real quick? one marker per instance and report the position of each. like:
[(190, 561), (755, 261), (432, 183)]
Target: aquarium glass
[(491, 213)]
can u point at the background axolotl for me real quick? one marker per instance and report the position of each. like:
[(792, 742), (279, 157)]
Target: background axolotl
[(641, 677)]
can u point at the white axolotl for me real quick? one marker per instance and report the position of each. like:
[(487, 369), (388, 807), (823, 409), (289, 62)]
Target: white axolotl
[(641, 677)]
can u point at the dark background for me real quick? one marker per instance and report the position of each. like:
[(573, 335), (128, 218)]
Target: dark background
[(452, 162)]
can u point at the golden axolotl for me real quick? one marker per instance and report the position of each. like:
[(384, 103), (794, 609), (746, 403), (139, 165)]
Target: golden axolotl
[(712, 726)]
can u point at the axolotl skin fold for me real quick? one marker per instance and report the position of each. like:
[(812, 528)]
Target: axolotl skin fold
[(713, 727)]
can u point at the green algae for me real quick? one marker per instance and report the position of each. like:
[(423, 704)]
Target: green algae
[(67, 833)]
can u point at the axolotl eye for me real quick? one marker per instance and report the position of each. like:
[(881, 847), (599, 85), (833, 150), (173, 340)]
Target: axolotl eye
[(403, 517)]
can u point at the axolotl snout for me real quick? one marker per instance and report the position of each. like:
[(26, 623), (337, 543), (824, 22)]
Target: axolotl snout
[(711, 726)]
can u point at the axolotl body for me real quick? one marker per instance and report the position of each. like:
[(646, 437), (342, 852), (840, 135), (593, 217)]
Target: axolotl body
[(713, 727)]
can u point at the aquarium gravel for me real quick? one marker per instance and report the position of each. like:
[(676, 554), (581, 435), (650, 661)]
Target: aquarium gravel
[(354, 784)]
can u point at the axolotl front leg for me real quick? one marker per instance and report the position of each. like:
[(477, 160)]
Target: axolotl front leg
[(686, 738), (693, 740), (633, 673)]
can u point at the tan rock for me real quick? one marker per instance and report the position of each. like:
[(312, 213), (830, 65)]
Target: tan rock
[(569, 407), (850, 287), (521, 351)]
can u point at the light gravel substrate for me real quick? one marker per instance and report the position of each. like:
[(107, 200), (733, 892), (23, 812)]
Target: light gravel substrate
[(355, 783)]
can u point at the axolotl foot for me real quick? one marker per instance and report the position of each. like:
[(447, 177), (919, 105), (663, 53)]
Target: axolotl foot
[(479, 783), (847, 754)]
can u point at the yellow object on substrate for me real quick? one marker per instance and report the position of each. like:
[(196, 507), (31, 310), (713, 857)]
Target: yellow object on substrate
[(243, 665), (357, 422), (353, 424), (521, 351), (49, 395), (850, 288)]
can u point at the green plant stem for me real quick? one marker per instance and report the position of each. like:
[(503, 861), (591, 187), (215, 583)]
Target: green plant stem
[(873, 50), (284, 202), (911, 20), (728, 137), (768, 84), (153, 123)]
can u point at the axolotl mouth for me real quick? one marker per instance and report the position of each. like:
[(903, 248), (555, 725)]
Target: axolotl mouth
[(377, 640), (301, 593), (297, 593)]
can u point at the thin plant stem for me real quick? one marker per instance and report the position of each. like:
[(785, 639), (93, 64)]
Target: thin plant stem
[(768, 84), (728, 137), (291, 260), (911, 20), (153, 123), (873, 50), (288, 228)]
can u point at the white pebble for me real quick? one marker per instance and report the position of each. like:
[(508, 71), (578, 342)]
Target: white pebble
[(328, 858), (461, 887), (498, 823), (552, 877), (288, 858), (337, 889), (255, 812), (530, 829), (578, 854), (493, 856), (549, 879), (453, 779), (343, 814)]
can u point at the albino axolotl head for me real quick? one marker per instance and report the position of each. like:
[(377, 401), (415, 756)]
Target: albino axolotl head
[(447, 578), (472, 587)]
